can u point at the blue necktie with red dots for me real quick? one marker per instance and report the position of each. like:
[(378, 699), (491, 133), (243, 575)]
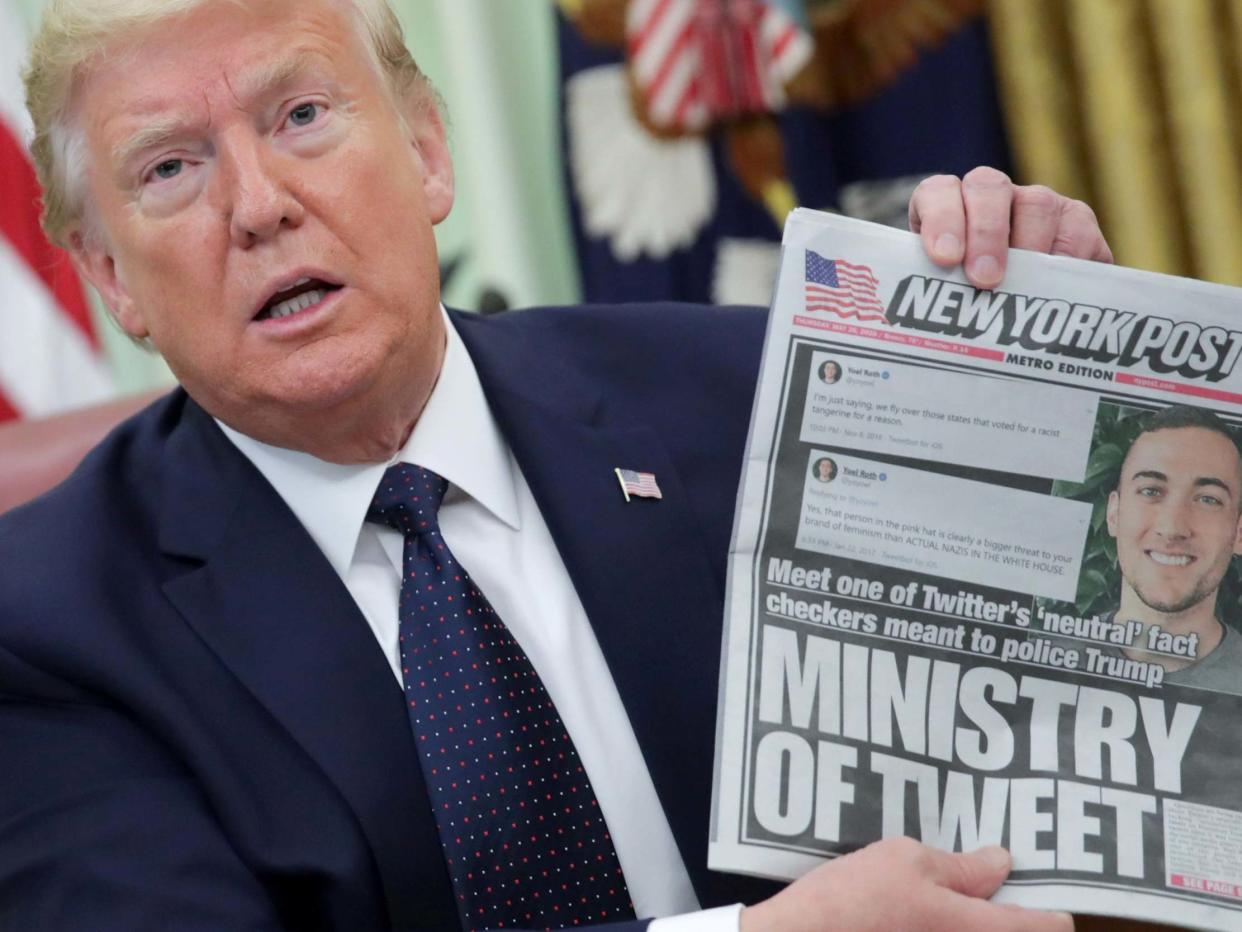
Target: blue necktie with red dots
[(523, 836)]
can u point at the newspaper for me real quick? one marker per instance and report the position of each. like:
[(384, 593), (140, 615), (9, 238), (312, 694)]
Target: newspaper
[(981, 586)]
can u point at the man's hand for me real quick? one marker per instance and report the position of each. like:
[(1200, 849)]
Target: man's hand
[(897, 885), (974, 220)]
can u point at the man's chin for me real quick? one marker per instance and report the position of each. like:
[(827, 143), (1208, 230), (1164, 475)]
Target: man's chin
[(286, 404), (1173, 604), (319, 379)]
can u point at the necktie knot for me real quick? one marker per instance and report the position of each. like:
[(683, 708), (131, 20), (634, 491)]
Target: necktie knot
[(408, 499)]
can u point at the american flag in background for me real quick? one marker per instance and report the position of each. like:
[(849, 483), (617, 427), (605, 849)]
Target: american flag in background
[(841, 288), (50, 357), (698, 61)]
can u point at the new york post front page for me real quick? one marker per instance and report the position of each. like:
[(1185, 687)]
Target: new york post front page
[(983, 586)]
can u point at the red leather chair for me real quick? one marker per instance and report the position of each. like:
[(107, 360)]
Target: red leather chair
[(36, 455)]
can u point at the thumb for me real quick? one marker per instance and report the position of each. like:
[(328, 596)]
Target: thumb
[(977, 873)]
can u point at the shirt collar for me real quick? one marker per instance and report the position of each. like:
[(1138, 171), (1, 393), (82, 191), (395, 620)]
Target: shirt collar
[(456, 436)]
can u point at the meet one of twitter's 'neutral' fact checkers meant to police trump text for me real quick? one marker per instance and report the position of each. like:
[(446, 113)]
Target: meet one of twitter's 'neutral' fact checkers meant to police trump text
[(983, 586)]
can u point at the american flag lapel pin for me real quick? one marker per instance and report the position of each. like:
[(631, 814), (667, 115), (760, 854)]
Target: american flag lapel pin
[(635, 484)]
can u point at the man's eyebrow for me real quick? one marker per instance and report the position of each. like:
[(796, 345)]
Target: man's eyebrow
[(263, 80), (1213, 482), (153, 134), (1150, 474)]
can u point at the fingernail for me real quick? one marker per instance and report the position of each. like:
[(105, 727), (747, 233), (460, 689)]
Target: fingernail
[(948, 247), (985, 271), (996, 857)]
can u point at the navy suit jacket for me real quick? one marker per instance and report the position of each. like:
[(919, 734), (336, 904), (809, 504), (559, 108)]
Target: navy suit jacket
[(198, 730)]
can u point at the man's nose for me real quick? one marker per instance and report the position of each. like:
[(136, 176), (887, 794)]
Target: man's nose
[(1172, 522), (260, 201)]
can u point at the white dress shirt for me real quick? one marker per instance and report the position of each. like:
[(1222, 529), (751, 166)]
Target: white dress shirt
[(493, 526)]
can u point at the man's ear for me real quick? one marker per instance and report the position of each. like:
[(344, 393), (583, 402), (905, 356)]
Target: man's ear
[(1114, 503), (430, 141), (95, 264), (1237, 536)]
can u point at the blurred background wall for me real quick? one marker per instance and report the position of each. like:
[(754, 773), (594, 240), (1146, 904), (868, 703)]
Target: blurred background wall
[(639, 149)]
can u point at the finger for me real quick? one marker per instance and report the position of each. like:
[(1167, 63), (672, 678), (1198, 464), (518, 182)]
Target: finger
[(1079, 234), (977, 873), (988, 197), (937, 215), (1035, 217), (949, 910)]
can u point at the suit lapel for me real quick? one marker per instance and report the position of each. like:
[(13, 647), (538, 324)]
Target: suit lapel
[(269, 605), (640, 568)]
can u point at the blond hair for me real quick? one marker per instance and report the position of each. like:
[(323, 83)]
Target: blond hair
[(74, 32)]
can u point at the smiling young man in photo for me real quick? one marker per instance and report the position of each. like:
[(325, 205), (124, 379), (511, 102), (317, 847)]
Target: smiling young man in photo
[(1176, 515)]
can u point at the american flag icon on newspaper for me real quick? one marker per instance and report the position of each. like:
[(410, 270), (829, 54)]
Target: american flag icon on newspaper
[(841, 288), (635, 484)]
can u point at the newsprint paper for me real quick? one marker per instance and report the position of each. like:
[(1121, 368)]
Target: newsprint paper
[(982, 587)]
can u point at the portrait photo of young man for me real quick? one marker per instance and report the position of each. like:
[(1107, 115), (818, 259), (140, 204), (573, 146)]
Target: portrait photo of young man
[(1176, 517), (830, 372), (825, 469)]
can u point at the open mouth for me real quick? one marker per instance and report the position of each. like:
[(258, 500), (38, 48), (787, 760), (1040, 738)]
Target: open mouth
[(1170, 559), (303, 294)]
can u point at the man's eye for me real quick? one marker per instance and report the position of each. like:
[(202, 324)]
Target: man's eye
[(304, 115), (170, 168)]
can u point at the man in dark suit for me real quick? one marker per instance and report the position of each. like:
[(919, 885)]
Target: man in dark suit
[(208, 637)]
